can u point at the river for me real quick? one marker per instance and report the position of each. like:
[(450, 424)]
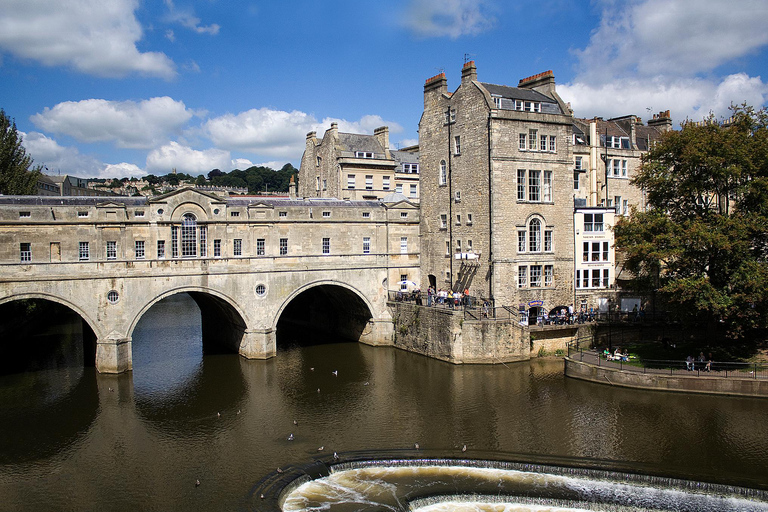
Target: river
[(71, 439)]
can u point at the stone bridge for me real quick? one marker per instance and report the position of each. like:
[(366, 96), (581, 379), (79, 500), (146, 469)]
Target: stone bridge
[(258, 268)]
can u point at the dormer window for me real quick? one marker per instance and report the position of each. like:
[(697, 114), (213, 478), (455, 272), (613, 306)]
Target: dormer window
[(497, 101), (363, 154), (411, 168), (618, 142)]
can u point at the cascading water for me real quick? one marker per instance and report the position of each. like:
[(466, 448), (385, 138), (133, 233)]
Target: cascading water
[(437, 485)]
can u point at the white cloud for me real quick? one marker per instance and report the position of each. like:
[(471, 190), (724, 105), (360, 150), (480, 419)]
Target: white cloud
[(186, 18), (274, 164), (241, 163), (279, 134), (121, 170), (56, 158), (96, 37), (127, 124), (451, 18), (672, 37), (185, 159), (662, 54)]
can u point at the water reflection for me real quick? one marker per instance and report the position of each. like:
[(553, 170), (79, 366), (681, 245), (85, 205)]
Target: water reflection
[(71, 443)]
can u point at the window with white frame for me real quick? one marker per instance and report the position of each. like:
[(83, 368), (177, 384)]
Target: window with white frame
[(595, 251), (605, 251), (535, 276), (385, 183), (546, 186), (326, 246), (552, 144), (576, 180), (578, 164), (366, 245), (521, 184), (217, 248), (399, 188), (577, 282), (317, 183), (543, 142), (497, 101), (585, 251), (521, 240), (203, 241), (413, 190), (469, 219), (411, 168), (25, 215), (625, 207), (595, 278), (457, 145), (606, 277), (469, 245), (326, 214), (548, 240), (522, 276), (403, 245), (138, 249), (618, 142), (593, 222), (238, 247), (350, 181), (518, 104), (457, 196), (521, 144), (283, 246), (458, 246), (25, 251), (160, 249), (534, 186), (549, 275), (532, 106), (84, 253), (234, 214), (82, 214), (617, 204), (447, 248), (111, 250), (369, 182), (534, 235), (458, 219), (585, 278), (189, 235), (261, 246), (532, 136), (363, 154), (443, 179), (366, 215), (443, 221), (282, 214), (403, 215), (403, 282)]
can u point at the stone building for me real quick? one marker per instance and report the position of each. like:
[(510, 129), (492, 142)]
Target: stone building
[(607, 156), (497, 191), (357, 166)]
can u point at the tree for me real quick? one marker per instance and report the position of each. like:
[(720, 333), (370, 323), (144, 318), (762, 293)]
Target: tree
[(702, 243), (16, 177)]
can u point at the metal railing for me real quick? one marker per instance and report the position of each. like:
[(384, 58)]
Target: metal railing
[(724, 369)]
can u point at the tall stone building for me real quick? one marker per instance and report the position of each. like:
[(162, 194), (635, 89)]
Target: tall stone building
[(497, 191), (357, 166), (607, 155)]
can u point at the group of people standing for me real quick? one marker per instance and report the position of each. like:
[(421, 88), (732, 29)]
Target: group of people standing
[(448, 297), (704, 363)]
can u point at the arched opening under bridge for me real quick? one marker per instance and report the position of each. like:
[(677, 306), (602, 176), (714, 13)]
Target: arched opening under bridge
[(39, 333), (324, 313)]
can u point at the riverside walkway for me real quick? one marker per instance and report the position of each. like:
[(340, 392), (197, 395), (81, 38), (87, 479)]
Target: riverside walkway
[(722, 377)]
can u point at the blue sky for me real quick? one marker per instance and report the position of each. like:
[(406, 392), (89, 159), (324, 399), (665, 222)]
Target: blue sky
[(113, 88)]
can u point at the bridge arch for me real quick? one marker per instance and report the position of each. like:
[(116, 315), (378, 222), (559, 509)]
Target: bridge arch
[(224, 321), (328, 308), (59, 300)]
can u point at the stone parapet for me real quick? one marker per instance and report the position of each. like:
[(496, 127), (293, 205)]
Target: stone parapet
[(676, 383)]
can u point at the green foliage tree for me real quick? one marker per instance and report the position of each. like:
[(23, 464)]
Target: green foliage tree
[(16, 175), (702, 243)]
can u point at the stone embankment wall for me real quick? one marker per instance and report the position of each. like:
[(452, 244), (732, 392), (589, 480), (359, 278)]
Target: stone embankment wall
[(686, 384), (445, 335)]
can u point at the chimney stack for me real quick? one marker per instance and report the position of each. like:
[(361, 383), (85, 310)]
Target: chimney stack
[(469, 72)]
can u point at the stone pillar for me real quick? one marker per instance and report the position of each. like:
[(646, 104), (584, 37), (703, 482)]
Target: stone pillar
[(378, 332), (258, 344), (114, 354)]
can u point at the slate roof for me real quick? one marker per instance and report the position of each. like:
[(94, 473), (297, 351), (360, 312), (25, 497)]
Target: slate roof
[(359, 142)]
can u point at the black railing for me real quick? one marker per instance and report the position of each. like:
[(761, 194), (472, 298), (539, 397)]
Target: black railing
[(724, 369)]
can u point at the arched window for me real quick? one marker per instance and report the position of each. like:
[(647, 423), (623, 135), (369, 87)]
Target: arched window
[(188, 236), (534, 235), (443, 173)]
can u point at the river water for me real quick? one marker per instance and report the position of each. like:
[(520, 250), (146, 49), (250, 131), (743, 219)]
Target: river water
[(71, 439)]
